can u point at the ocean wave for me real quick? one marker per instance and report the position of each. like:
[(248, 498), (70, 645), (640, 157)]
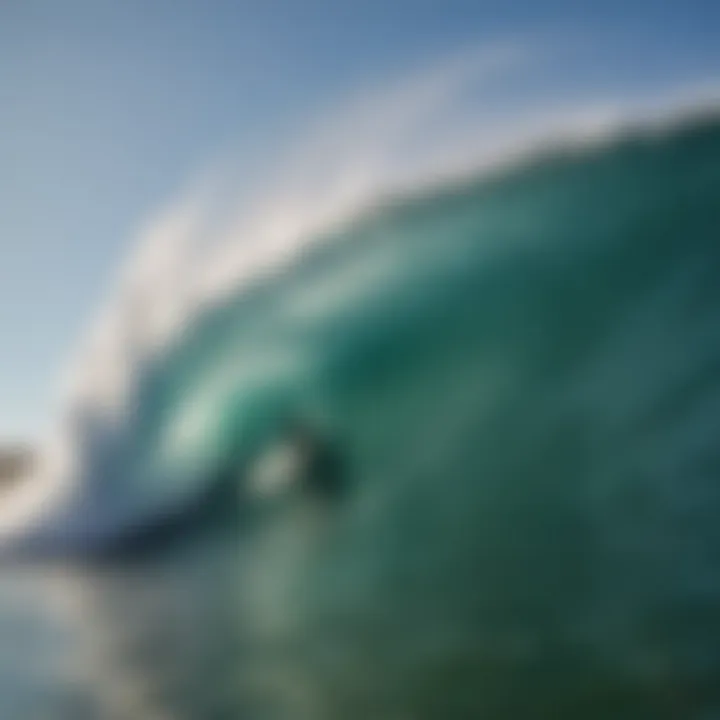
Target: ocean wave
[(357, 257)]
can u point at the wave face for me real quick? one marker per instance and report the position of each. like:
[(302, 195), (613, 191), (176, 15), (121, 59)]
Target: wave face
[(523, 372), (542, 342)]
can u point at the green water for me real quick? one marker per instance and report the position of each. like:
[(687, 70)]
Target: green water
[(523, 373)]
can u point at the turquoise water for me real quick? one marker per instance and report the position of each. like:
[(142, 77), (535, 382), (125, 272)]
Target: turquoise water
[(522, 372)]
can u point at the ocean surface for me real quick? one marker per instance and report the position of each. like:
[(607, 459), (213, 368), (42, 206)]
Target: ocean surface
[(521, 374)]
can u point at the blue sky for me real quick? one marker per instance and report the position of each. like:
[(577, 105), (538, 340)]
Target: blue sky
[(108, 108)]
